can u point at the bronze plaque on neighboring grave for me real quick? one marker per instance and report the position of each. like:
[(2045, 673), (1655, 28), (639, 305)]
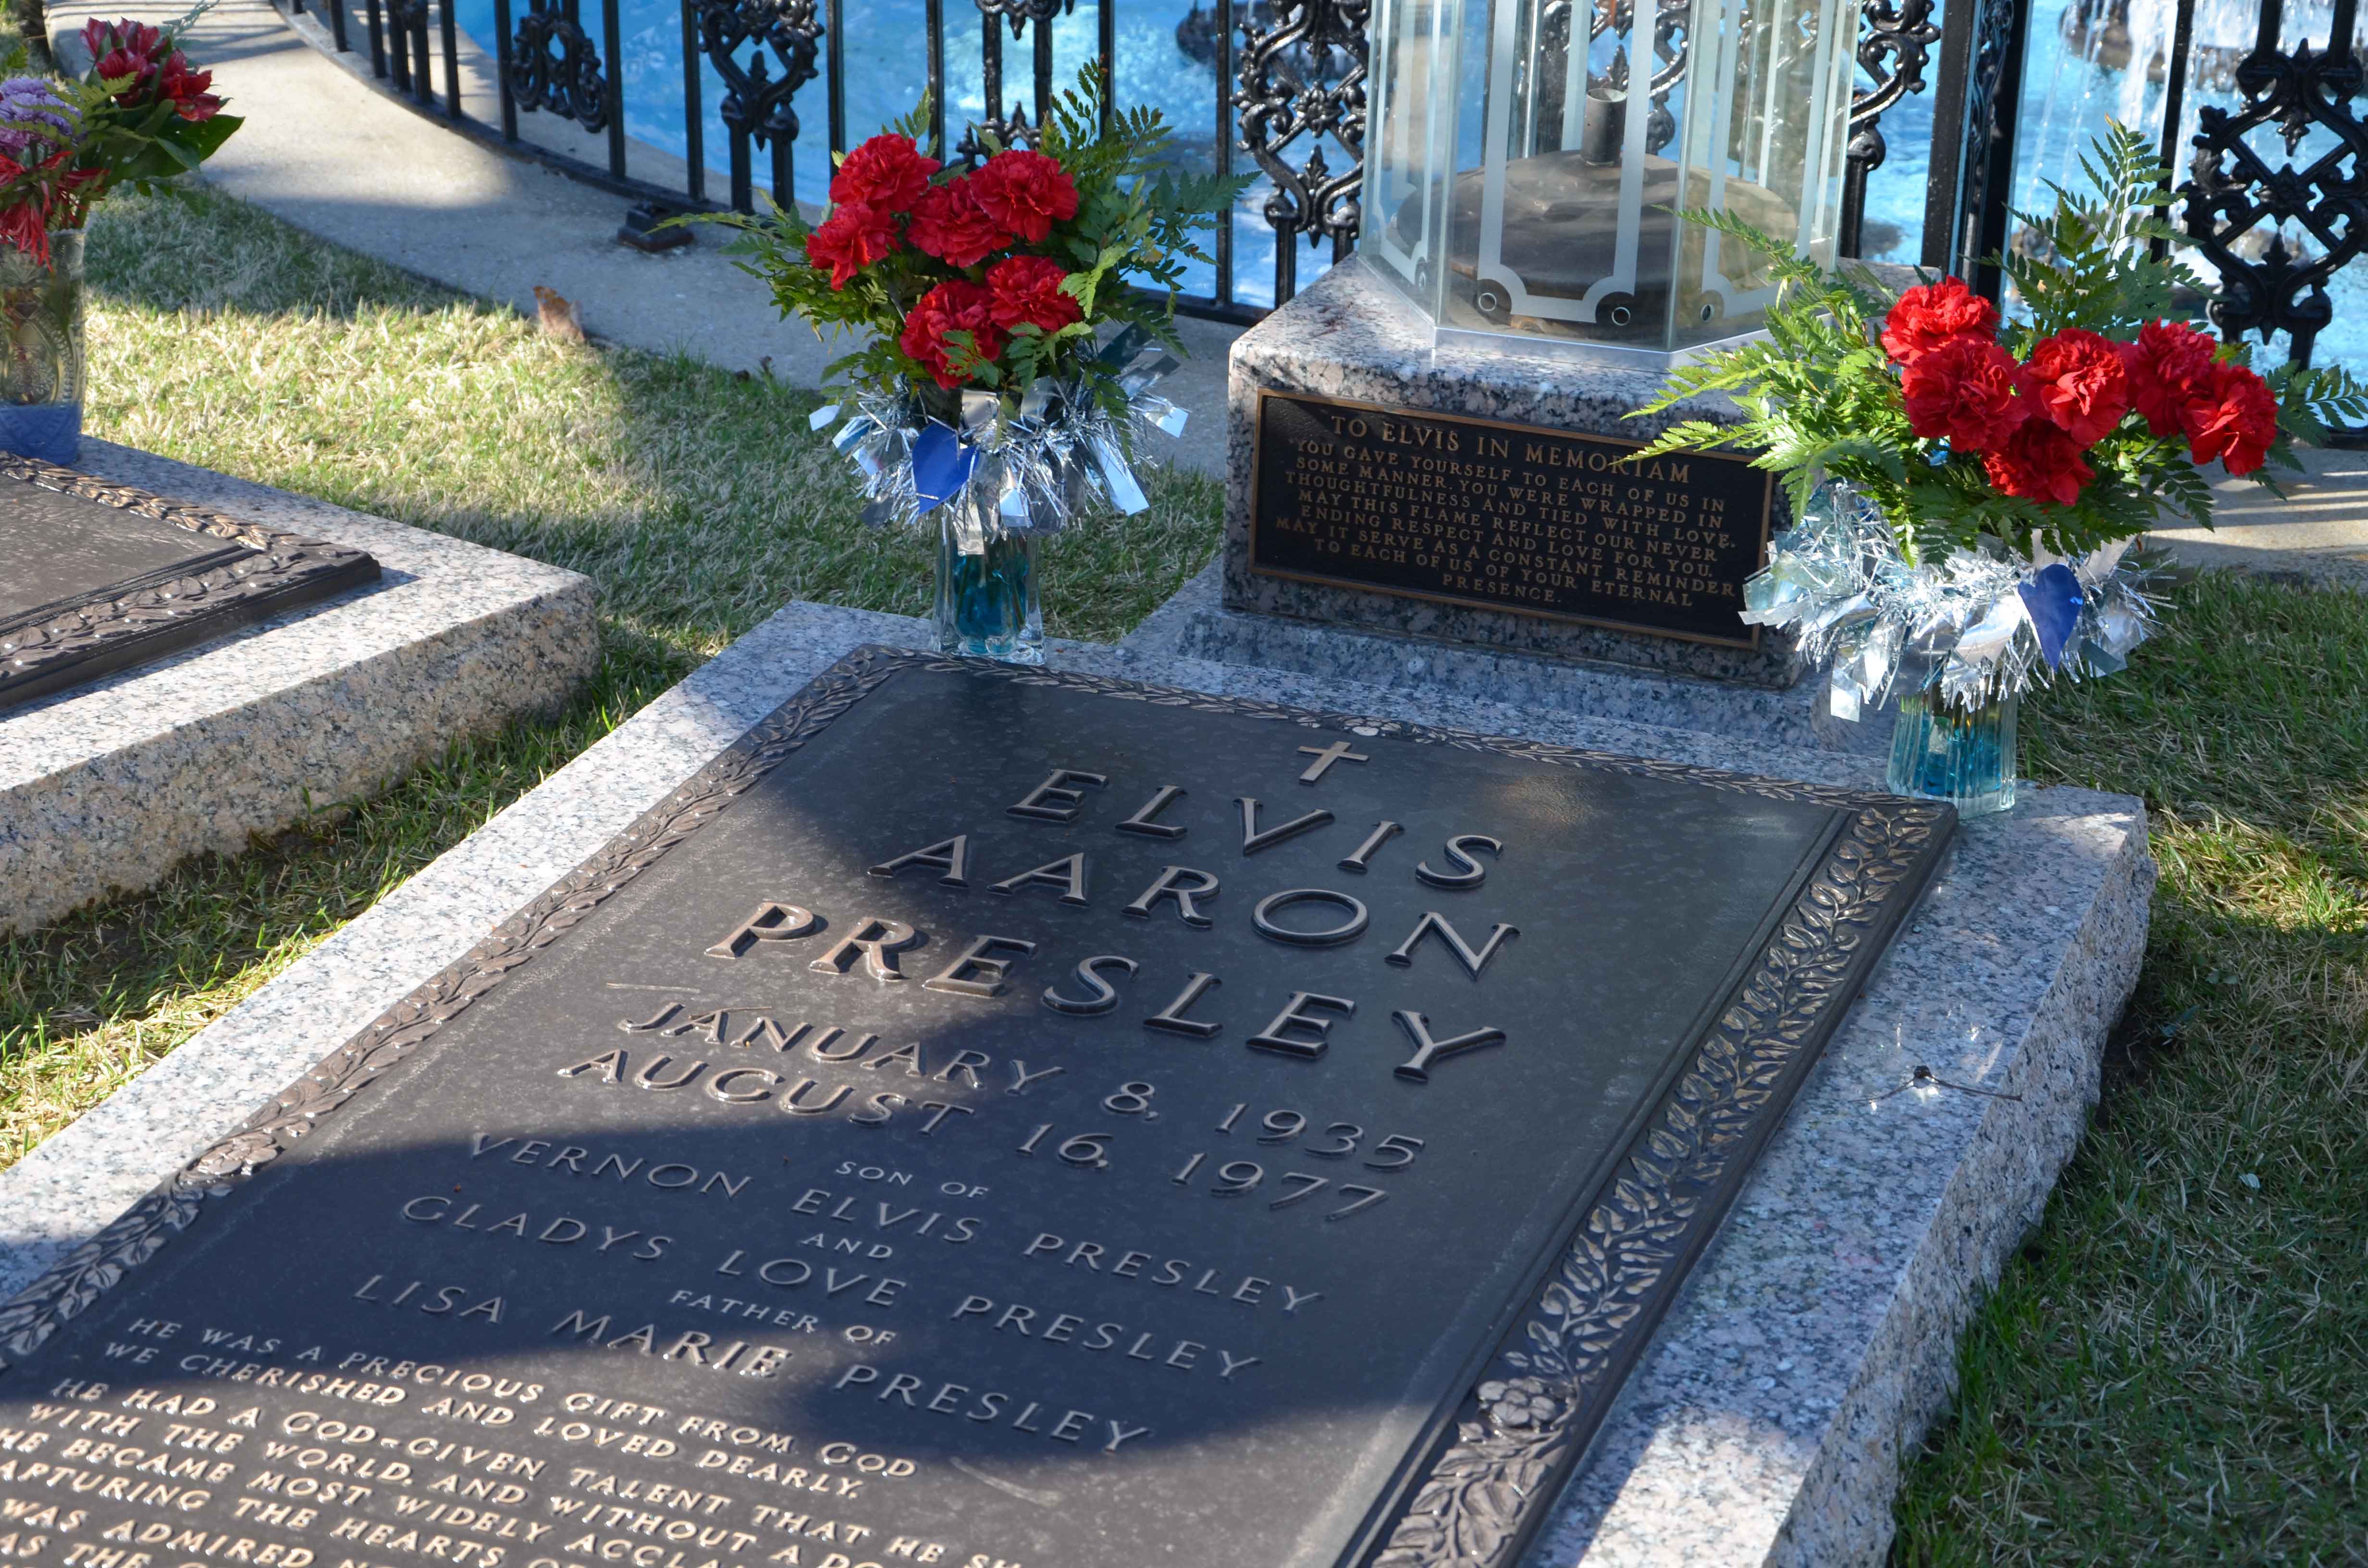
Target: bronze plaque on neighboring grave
[(1512, 518), (97, 577)]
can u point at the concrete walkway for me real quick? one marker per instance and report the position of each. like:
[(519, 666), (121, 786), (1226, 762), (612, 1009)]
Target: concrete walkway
[(2317, 533), (325, 149)]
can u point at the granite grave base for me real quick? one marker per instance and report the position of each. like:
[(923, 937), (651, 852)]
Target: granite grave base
[(1812, 1344), (1197, 624), (107, 786)]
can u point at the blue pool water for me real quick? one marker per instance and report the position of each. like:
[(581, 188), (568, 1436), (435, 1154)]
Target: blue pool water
[(887, 72)]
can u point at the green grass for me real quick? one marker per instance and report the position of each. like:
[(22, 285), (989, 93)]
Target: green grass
[(2175, 1369), (698, 500), (2172, 1370)]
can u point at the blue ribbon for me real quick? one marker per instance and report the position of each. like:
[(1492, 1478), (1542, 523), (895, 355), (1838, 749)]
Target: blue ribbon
[(2052, 596), (941, 465)]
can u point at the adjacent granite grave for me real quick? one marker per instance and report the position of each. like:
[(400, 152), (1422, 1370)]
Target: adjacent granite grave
[(108, 782), (1764, 1422), (96, 577), (1482, 497)]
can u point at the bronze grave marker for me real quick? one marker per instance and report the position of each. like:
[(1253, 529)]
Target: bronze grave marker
[(987, 1116), (96, 577), (1475, 512)]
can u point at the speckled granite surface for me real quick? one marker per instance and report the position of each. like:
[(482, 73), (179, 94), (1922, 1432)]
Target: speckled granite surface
[(1817, 1336), (1195, 624), (110, 784), (1351, 335)]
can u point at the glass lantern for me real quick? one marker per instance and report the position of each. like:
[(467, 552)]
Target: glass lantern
[(1524, 182)]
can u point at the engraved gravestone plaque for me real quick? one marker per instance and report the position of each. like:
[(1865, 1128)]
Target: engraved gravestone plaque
[(1552, 524), (96, 577), (989, 1116)]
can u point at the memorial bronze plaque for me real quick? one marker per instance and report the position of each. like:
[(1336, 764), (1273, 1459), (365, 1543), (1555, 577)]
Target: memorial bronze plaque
[(988, 1116), (1513, 517), (96, 577)]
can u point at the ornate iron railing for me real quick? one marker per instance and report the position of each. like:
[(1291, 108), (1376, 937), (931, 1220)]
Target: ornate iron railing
[(1288, 91), (1894, 48), (2239, 210)]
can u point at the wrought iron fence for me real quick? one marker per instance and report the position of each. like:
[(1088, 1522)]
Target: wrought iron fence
[(2278, 237), (1288, 91)]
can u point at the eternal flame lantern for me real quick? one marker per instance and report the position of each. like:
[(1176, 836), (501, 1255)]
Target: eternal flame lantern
[(1524, 184)]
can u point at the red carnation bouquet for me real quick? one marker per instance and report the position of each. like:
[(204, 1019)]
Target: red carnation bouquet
[(1965, 487), (1010, 320), (996, 278), (141, 116), (2054, 436)]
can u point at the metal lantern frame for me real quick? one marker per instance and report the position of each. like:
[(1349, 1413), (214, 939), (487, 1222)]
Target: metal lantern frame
[(1715, 57)]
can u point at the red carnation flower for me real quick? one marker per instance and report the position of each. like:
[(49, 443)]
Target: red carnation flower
[(1929, 316), (25, 220), (887, 172), (143, 44), (2233, 418), (2080, 383), (148, 44), (1967, 392), (2169, 362), (1027, 193), (958, 306), (186, 88), (949, 222), (2039, 462), (1027, 291), (850, 239), (120, 63)]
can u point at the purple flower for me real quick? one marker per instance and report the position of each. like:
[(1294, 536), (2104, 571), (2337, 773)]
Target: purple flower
[(31, 112)]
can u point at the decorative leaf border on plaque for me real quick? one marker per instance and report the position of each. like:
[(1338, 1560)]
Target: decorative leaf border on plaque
[(280, 569), (1525, 1425), (1523, 1429)]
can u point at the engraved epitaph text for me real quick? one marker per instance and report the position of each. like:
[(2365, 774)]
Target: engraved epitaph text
[(1506, 517), (988, 1118)]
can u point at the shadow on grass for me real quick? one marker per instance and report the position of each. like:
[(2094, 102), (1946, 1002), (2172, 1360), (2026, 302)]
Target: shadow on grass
[(2175, 1369), (697, 500)]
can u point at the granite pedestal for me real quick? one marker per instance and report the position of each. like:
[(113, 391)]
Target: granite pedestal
[(1811, 1344), (1197, 624), (108, 785), (1350, 337)]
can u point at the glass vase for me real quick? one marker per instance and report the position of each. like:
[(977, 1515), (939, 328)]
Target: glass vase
[(41, 351), (987, 604), (1965, 756)]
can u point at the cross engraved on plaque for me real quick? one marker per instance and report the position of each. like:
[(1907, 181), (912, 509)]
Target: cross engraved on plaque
[(1325, 757)]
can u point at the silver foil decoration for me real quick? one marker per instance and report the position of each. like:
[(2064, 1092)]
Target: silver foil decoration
[(1960, 628), (1025, 469)]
